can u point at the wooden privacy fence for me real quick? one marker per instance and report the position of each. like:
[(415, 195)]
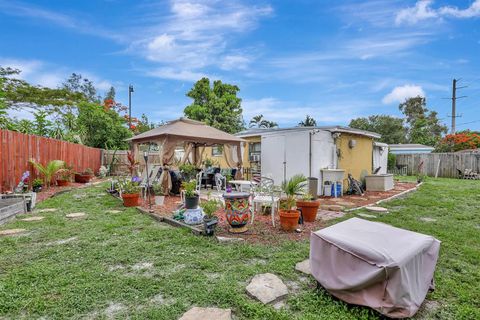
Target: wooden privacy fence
[(446, 163), (17, 148)]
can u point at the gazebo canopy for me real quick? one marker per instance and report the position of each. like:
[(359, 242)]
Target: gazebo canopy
[(187, 130)]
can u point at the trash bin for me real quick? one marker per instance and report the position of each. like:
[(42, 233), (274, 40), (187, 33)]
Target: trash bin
[(313, 186)]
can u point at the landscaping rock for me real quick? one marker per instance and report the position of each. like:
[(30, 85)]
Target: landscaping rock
[(304, 266), (427, 219), (11, 232), (279, 305), (267, 288), (76, 215), (37, 218), (377, 209), (197, 313), (229, 240), (365, 215)]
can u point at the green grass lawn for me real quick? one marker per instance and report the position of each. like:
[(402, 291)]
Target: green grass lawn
[(114, 265)]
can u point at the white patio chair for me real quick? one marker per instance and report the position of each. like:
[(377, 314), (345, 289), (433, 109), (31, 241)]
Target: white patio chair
[(266, 193), (220, 181)]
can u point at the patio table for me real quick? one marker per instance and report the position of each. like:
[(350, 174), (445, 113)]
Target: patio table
[(240, 184)]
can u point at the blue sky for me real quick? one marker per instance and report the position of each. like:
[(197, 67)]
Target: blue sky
[(333, 60)]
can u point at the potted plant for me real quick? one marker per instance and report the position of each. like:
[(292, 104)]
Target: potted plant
[(158, 194), (210, 219), (288, 216), (48, 171), (191, 196), (37, 185), (84, 176), (64, 176), (130, 190), (309, 207), (188, 171)]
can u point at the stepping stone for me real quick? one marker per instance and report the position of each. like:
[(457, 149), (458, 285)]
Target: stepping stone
[(113, 211), (332, 207), (346, 203), (374, 197), (47, 210), (11, 232), (62, 241), (377, 209), (229, 240), (427, 219), (326, 215), (37, 218), (79, 196), (304, 266), (76, 215), (267, 288), (197, 313), (366, 215)]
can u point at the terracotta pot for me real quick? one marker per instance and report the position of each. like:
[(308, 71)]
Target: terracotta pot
[(309, 210), (82, 178), (62, 183), (289, 219), (130, 199)]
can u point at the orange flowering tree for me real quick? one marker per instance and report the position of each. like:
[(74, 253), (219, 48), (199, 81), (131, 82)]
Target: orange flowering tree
[(459, 141)]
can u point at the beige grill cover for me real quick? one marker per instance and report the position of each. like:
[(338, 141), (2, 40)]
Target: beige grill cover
[(374, 264)]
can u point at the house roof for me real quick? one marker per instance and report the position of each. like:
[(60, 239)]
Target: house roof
[(252, 132), (410, 146), (190, 131)]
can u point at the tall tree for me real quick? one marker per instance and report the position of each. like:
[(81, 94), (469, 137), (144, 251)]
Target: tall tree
[(76, 83), (308, 122), (259, 122), (423, 125), (218, 107), (18, 94), (392, 129), (100, 127), (110, 95)]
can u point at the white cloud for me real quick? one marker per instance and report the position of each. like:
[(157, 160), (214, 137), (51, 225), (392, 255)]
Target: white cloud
[(175, 74), (400, 93), (49, 75), (423, 11), (197, 35)]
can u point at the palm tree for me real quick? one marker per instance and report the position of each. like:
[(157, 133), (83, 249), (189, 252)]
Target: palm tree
[(308, 122), (260, 122)]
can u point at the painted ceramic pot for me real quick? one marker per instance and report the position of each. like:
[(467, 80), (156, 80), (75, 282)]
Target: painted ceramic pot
[(237, 211), (193, 216)]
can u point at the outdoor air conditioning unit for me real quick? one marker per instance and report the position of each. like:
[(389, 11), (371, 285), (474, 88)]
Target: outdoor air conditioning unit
[(255, 158)]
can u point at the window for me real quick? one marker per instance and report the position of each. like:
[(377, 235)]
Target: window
[(217, 151)]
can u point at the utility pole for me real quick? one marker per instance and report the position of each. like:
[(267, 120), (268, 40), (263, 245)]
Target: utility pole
[(130, 90), (454, 103)]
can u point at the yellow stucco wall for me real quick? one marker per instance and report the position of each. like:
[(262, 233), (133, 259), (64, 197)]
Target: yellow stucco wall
[(221, 159), (357, 160)]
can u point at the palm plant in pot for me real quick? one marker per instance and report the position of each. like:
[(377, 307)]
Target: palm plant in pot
[(191, 196), (158, 194), (49, 170), (130, 189), (288, 216), (309, 207)]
